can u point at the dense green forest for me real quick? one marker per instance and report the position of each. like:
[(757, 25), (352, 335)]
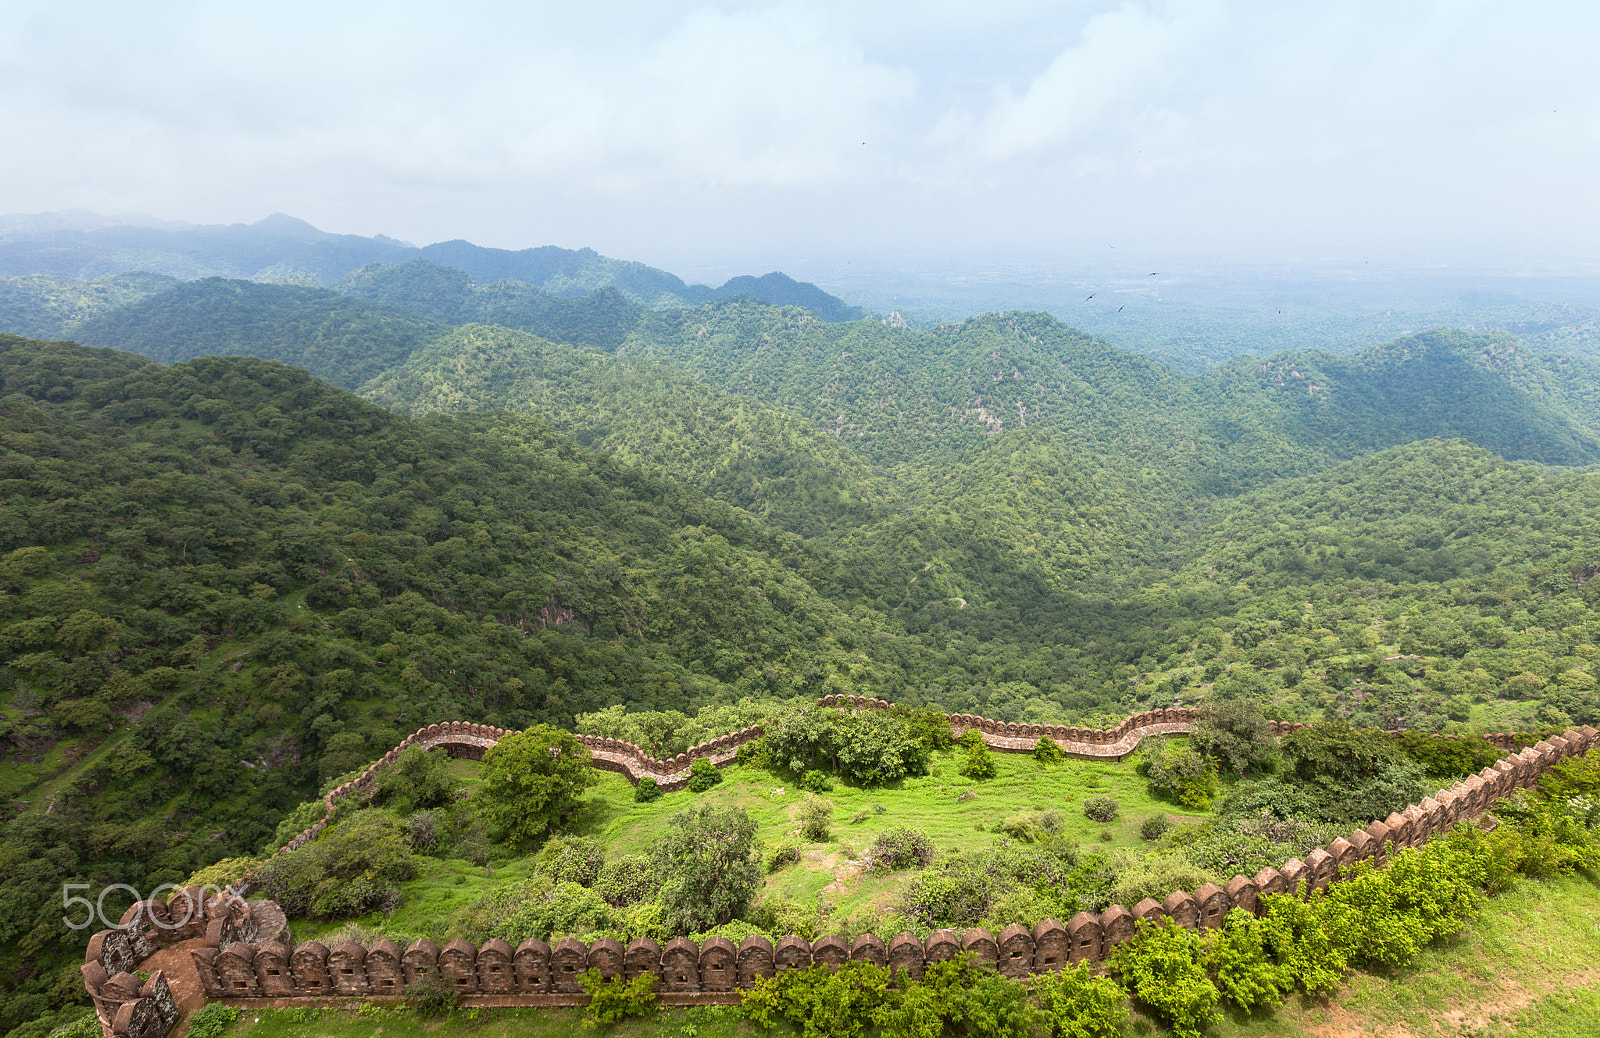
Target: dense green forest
[(227, 583)]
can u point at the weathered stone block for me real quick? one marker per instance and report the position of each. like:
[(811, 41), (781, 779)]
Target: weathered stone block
[(236, 971), (680, 965), (458, 964), (941, 946), (1015, 950), (420, 961), (1271, 881), (1147, 910), (1086, 938), (642, 955), (718, 964), (1320, 868), (532, 963), (906, 956), (754, 960), (347, 967), (981, 945), (385, 971), (1052, 946), (830, 951), (273, 975), (867, 948), (1182, 908), (496, 966), (1212, 904), (204, 960), (792, 953), (1243, 893), (568, 959)]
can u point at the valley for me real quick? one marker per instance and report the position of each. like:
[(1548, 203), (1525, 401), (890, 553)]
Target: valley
[(251, 532)]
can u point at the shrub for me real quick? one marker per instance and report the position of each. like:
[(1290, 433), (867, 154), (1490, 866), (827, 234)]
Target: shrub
[(212, 1020), (1449, 756), (979, 762), (708, 865), (1236, 734), (816, 818), (430, 995), (868, 748), (531, 782), (423, 831), (1023, 826), (626, 881), (570, 859), (1079, 1004), (1049, 752), (1162, 967), (1154, 827), (1179, 772), (350, 870), (548, 911), (417, 779), (647, 790), (703, 775), (1304, 941), (616, 999), (815, 782), (1236, 955), (782, 854), (1157, 875), (819, 1001), (1100, 808), (899, 848)]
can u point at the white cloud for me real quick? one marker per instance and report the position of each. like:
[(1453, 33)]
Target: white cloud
[(649, 126)]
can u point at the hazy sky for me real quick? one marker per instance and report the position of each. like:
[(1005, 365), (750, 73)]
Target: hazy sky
[(733, 135)]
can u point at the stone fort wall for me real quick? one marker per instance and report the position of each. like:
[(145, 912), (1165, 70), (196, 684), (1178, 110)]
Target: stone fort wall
[(243, 950)]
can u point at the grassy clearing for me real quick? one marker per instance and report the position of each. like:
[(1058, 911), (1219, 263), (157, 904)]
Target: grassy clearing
[(956, 813)]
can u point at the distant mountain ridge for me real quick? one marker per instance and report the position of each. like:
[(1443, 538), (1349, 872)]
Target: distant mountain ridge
[(284, 248)]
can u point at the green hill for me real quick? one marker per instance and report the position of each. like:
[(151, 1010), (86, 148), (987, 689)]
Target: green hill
[(46, 307), (601, 319), (758, 457), (345, 341)]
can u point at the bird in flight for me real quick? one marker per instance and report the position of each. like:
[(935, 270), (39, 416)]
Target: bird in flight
[(1153, 273), (1119, 309), (1088, 297)]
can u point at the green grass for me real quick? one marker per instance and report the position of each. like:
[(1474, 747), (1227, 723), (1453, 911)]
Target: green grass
[(932, 804), (700, 1022), (1529, 965)]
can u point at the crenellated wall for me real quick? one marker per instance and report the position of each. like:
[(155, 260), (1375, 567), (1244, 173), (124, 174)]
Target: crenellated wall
[(247, 952)]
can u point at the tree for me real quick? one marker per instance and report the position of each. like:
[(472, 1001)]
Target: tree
[(1237, 734), (708, 865), (531, 783)]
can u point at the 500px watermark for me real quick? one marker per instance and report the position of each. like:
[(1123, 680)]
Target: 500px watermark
[(96, 909)]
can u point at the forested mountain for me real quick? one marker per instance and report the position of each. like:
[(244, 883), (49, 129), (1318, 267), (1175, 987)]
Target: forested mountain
[(277, 248), (759, 457), (44, 306), (340, 339), (601, 318), (283, 249)]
